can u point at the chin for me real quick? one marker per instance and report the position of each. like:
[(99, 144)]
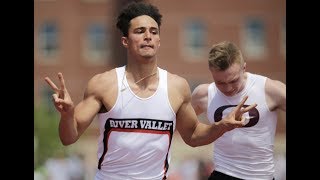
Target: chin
[(229, 94), (148, 56)]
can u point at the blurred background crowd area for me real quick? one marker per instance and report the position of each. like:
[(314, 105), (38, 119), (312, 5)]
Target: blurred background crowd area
[(79, 39)]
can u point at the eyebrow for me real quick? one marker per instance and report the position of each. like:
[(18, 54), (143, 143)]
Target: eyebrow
[(142, 27), (233, 80)]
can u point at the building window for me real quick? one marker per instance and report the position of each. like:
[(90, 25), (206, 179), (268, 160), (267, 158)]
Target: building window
[(96, 44), (48, 40), (254, 40), (194, 40)]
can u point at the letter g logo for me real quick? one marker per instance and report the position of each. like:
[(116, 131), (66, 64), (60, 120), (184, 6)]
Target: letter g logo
[(254, 113)]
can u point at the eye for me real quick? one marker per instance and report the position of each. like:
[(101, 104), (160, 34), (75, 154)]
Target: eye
[(154, 32), (139, 30), (234, 81), (220, 83)]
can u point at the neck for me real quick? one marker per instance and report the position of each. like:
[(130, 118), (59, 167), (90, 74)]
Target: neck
[(136, 82), (142, 80), (136, 73)]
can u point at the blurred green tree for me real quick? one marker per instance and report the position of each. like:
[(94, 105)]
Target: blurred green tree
[(46, 136)]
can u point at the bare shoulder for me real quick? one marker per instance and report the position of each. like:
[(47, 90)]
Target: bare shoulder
[(178, 91), (275, 94), (274, 86), (201, 90), (177, 82), (99, 82)]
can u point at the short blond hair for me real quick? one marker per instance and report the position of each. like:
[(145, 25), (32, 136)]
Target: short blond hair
[(223, 54)]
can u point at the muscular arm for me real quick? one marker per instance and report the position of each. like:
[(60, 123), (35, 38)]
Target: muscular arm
[(199, 99), (193, 132), (275, 95), (73, 124)]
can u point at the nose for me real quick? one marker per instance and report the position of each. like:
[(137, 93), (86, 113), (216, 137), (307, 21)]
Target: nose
[(228, 87), (147, 35)]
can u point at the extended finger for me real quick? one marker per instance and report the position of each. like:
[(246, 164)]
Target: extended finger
[(239, 106), (63, 86), (53, 86)]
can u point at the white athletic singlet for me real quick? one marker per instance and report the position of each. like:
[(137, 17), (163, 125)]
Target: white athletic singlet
[(135, 135), (246, 152)]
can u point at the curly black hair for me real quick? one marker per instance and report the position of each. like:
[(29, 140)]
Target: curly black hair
[(135, 9)]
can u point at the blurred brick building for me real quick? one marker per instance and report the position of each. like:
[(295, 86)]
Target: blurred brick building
[(79, 38)]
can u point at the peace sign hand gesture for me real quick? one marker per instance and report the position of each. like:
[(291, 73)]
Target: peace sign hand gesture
[(61, 98), (235, 119)]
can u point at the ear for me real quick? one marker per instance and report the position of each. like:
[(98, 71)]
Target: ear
[(124, 41), (244, 66)]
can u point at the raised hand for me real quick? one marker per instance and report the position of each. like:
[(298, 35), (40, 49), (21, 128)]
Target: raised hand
[(61, 98), (235, 119)]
